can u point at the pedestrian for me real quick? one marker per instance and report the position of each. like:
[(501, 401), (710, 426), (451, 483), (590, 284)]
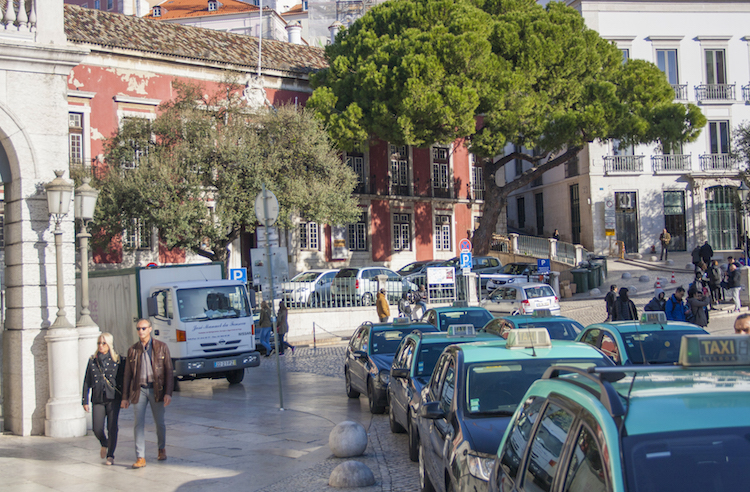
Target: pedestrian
[(742, 324), (675, 307), (609, 302), (714, 283), (698, 308), (696, 255), (658, 302), (381, 305), (707, 252), (665, 238), (148, 380), (734, 284), (103, 379), (404, 307), (556, 235), (266, 327), (282, 328), (420, 300), (624, 307)]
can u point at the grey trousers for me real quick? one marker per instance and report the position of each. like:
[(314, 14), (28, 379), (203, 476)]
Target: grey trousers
[(157, 410)]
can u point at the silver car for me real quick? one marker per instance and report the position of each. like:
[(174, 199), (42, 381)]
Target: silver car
[(359, 286), (311, 288), (522, 298)]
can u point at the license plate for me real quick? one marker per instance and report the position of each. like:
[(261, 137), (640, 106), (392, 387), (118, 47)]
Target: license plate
[(543, 303), (225, 363)]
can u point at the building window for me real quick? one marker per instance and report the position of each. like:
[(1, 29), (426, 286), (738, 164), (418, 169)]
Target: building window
[(402, 232), (441, 172), (521, 210), (357, 163), (539, 205), (666, 60), (357, 237), (137, 236), (571, 167), (157, 11), (519, 162), (716, 72), (625, 55), (212, 6), (443, 233), (477, 181), (97, 4), (110, 4), (75, 138), (718, 132), (399, 170), (309, 236)]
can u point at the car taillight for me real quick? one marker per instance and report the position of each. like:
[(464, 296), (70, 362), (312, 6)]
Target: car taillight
[(556, 300), (356, 284), (181, 336), (252, 328), (525, 304)]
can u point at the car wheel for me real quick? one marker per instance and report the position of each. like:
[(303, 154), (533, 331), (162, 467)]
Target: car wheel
[(350, 392), (424, 481), (375, 406), (396, 428), (413, 441), (235, 377), (367, 299)]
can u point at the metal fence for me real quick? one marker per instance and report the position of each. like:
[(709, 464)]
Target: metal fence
[(534, 246), (566, 253)]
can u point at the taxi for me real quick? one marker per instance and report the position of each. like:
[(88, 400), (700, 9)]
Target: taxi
[(368, 358), (458, 314), (471, 396), (559, 327), (652, 340), (410, 371), (637, 428)]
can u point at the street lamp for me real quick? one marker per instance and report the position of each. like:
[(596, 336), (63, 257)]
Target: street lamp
[(85, 203), (58, 204), (743, 190)]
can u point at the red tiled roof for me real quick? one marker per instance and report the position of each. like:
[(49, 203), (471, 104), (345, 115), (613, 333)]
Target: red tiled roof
[(177, 9), (97, 28), (297, 9)]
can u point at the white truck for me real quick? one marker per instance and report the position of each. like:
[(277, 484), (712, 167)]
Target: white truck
[(205, 319)]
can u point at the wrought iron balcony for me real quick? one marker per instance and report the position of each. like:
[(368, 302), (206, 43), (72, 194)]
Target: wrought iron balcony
[(441, 192), (746, 93), (715, 92), (671, 163), (680, 91), (623, 164), (718, 162)]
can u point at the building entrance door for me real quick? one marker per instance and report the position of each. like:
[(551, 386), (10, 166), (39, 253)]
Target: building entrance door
[(674, 219), (722, 217), (626, 217)]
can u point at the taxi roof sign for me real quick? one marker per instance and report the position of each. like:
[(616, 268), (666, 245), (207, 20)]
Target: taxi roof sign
[(654, 317), (461, 330), (402, 320), (529, 338), (712, 350), (541, 313)]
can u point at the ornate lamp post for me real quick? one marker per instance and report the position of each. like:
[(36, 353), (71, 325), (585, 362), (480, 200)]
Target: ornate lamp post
[(64, 416), (743, 190)]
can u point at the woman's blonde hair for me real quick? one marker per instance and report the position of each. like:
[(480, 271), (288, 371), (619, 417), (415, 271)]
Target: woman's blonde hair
[(110, 343)]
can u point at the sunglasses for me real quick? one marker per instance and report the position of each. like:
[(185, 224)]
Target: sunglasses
[(101, 343), (142, 328)]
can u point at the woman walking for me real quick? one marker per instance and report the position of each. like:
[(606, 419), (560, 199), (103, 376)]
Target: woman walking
[(103, 379), (282, 328), (266, 326)]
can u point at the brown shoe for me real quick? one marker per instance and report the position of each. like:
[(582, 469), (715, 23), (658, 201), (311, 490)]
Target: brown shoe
[(103, 452), (162, 455), (139, 463)]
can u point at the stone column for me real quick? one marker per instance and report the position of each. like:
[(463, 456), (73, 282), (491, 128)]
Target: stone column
[(513, 243), (88, 330), (552, 248), (579, 254)]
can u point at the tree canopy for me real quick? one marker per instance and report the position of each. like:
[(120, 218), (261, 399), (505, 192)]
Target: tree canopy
[(194, 172), (495, 72)]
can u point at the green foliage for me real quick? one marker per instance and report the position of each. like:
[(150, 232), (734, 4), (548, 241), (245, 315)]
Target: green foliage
[(203, 160)]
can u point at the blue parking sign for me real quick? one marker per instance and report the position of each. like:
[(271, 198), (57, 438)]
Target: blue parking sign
[(238, 274), (543, 266), (465, 260)]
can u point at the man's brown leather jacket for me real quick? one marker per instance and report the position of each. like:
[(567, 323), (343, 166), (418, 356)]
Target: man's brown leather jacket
[(162, 367)]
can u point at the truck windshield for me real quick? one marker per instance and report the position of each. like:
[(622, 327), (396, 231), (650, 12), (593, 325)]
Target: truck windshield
[(212, 303)]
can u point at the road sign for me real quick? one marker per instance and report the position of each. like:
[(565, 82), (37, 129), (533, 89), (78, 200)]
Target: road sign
[(465, 260), (238, 274), (543, 266), (272, 207), (464, 245)]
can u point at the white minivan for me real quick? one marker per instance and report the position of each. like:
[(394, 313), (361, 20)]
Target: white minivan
[(522, 298)]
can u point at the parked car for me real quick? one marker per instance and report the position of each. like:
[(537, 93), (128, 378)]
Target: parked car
[(445, 317), (522, 299), (310, 288), (559, 327), (359, 286), (479, 264), (417, 272), (513, 273)]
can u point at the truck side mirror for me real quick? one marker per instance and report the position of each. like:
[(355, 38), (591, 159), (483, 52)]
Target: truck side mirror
[(152, 306)]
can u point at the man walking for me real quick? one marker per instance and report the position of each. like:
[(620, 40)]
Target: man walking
[(148, 381), (734, 284), (381, 306), (609, 302), (664, 238), (707, 252), (675, 307)]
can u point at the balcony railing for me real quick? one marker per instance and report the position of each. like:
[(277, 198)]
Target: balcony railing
[(746, 93), (680, 91), (671, 163), (623, 163), (719, 162), (441, 192), (713, 92), (18, 22)]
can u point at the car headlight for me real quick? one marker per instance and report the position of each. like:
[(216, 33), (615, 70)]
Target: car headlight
[(480, 465), (384, 377)]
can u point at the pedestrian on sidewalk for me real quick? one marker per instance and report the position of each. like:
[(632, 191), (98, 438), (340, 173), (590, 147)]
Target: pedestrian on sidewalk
[(714, 283), (658, 302), (625, 308), (707, 252), (420, 300), (698, 308), (381, 305), (404, 307), (282, 328), (696, 255), (148, 380), (665, 238), (734, 284), (103, 379), (609, 302), (675, 308), (266, 327), (742, 324)]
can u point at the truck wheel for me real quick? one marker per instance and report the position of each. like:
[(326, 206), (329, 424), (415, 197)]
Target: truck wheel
[(235, 377)]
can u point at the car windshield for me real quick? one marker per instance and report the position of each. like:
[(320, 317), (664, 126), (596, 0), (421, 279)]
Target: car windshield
[(540, 291), (213, 303), (476, 317), (411, 268), (659, 347), (514, 269), (496, 388), (306, 277), (688, 461), (558, 330), (427, 357), (387, 341)]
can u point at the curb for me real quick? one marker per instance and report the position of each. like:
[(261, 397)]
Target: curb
[(651, 266)]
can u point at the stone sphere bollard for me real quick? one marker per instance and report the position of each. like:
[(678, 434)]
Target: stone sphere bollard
[(347, 439), (632, 290), (689, 266), (654, 258), (643, 278), (594, 292), (626, 275), (669, 262), (351, 474)]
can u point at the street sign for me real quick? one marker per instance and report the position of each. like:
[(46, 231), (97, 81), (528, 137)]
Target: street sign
[(464, 245), (465, 260), (238, 274), (610, 218), (272, 207), (543, 266)]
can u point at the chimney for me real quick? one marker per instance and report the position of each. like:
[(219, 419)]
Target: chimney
[(334, 29), (295, 33)]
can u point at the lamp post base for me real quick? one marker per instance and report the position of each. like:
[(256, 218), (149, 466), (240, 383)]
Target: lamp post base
[(64, 413)]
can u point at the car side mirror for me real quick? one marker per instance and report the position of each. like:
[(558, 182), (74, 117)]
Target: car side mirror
[(399, 373), (432, 411)]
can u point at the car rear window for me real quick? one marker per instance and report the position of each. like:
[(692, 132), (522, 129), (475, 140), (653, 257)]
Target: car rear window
[(541, 291), (558, 330), (387, 341), (659, 347), (347, 273), (475, 317)]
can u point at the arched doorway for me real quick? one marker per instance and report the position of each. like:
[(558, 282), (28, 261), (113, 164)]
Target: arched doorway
[(722, 217)]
